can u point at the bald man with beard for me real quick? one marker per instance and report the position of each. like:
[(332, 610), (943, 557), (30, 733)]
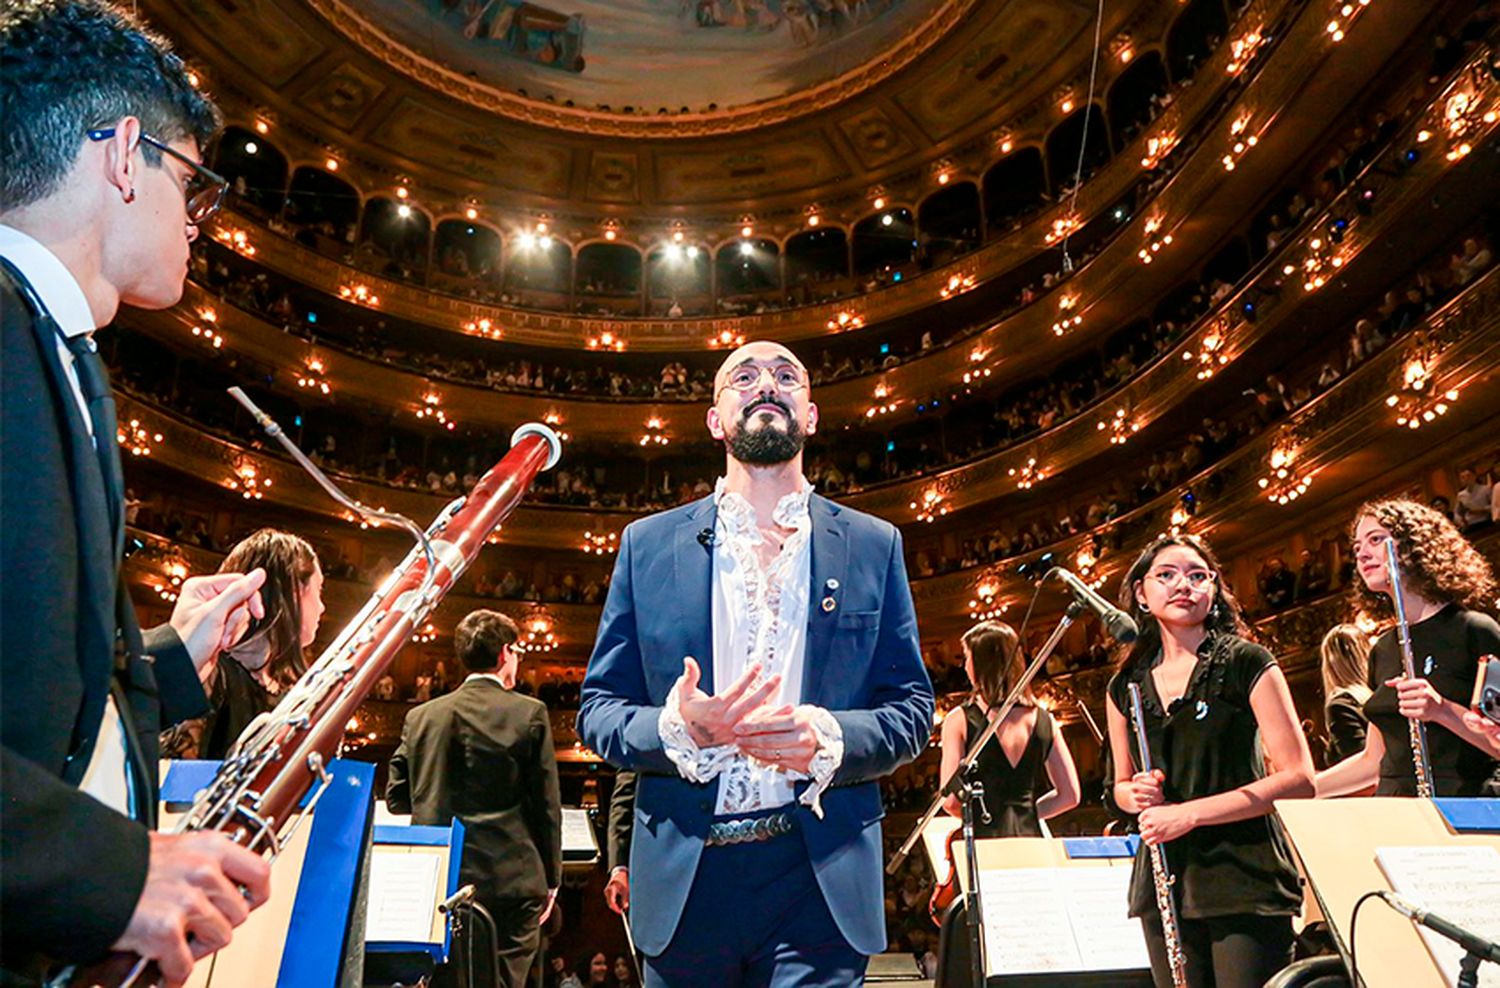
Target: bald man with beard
[(757, 665)]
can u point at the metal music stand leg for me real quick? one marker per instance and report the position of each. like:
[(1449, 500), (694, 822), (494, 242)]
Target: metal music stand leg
[(973, 794)]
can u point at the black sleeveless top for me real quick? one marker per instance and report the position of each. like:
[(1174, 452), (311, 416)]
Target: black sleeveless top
[(1208, 742), (1010, 791), (1446, 649)]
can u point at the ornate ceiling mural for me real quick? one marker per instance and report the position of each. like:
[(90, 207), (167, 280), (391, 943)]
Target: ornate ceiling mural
[(650, 55)]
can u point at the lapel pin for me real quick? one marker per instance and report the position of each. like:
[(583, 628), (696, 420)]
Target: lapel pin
[(829, 604), (831, 584)]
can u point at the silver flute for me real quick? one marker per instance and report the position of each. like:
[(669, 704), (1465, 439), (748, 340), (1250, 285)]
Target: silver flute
[(1161, 875), (1418, 730)]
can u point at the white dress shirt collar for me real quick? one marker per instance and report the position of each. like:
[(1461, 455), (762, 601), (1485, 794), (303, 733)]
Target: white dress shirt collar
[(53, 282)]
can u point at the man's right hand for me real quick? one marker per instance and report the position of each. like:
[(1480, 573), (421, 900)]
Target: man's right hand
[(617, 890), (193, 899), (711, 719)]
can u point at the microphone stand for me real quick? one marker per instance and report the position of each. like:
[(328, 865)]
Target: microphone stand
[(969, 790)]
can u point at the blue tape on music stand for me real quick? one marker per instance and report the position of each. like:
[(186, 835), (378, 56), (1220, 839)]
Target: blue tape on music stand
[(1102, 847), (1470, 815), (189, 776), (331, 871)]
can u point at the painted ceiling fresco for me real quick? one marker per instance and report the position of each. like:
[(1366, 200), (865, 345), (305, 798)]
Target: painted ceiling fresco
[(650, 55)]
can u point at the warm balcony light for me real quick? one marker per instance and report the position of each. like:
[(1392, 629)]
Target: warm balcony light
[(600, 543), (1027, 476), (359, 294), (332, 164), (173, 572), (1157, 148), (984, 606), (956, 284), (1007, 145), (471, 213), (536, 633), (1242, 49), (1209, 355), (555, 421), (261, 127), (726, 338), (403, 211), (136, 438), (402, 192), (425, 634), (655, 434), (747, 231), (930, 507), (883, 403), (209, 337), (1061, 228), (1283, 483), (247, 480), (846, 320), (431, 410), (483, 327), (878, 202), (607, 341), (235, 240), (312, 378), (1120, 427), (813, 220), (942, 178)]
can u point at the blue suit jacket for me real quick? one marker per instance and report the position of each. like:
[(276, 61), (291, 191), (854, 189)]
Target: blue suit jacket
[(863, 664)]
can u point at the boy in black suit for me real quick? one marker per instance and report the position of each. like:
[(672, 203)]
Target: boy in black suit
[(483, 753)]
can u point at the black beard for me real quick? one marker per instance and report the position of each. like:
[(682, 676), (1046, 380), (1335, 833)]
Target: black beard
[(766, 446)]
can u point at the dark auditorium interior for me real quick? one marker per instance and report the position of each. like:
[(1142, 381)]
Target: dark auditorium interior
[(1233, 278)]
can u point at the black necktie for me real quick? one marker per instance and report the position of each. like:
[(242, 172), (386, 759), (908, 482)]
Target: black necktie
[(94, 382)]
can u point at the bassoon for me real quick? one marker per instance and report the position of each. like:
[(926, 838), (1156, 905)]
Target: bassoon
[(284, 753)]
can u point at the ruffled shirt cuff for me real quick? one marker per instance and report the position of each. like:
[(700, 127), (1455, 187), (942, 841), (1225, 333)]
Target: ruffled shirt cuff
[(693, 763), (825, 763)]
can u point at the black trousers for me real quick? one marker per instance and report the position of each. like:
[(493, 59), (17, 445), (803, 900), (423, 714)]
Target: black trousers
[(1224, 952)]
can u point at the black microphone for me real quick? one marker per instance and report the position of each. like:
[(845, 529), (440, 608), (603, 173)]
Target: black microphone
[(706, 538), (1117, 624), (1471, 942)]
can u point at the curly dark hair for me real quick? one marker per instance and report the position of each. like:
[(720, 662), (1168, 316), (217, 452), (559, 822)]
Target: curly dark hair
[(1433, 555), (1224, 617), (70, 65)]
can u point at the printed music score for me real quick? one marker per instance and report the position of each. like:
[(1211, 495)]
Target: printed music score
[(1039, 920), (1460, 884)]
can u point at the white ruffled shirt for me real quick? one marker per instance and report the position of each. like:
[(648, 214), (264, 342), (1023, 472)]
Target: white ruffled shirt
[(759, 615)]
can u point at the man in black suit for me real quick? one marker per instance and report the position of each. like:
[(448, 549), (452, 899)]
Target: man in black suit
[(483, 753), (100, 191), (617, 840)]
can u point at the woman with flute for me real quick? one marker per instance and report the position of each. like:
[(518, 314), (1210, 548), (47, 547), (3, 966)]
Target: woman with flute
[(1446, 587), (1210, 698)]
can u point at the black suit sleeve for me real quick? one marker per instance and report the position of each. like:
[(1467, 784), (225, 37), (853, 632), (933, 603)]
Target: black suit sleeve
[(544, 808), (59, 898), (181, 691), (398, 781), (1346, 728), (621, 820)]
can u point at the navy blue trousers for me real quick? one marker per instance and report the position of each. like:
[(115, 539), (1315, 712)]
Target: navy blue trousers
[(755, 918)]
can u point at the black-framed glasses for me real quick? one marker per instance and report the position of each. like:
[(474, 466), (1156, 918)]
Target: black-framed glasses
[(204, 192)]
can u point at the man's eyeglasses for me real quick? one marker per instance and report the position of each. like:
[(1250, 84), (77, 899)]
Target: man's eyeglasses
[(746, 377), (205, 188)]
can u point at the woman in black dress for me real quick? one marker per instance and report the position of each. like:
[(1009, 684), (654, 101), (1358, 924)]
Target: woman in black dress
[(1345, 654), (1447, 586), (1210, 699), (1026, 768), (249, 677)]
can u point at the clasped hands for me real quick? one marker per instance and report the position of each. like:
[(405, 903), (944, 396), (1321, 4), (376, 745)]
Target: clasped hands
[(1159, 820), (741, 716)]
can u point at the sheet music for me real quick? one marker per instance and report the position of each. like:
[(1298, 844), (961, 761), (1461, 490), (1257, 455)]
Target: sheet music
[(1039, 920), (1460, 884), (578, 834), (404, 896)]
